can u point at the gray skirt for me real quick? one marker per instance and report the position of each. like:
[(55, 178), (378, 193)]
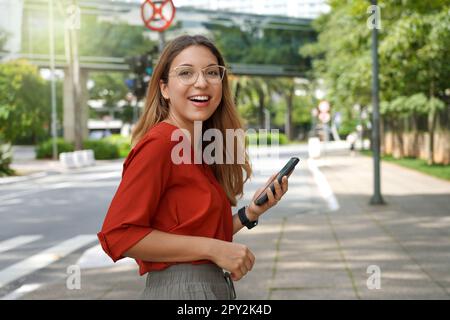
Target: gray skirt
[(189, 282)]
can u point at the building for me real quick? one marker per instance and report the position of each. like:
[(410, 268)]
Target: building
[(291, 8)]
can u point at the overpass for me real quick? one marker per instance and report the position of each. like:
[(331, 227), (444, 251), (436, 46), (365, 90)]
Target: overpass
[(120, 65), (189, 20)]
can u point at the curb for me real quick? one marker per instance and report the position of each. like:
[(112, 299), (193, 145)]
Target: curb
[(33, 176)]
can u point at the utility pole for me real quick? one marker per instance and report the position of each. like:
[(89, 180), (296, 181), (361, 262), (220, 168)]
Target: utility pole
[(162, 41), (75, 66), (376, 197), (52, 79)]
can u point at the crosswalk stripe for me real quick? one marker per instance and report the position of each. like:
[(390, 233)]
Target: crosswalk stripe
[(43, 259), (17, 242), (16, 294), (95, 257)]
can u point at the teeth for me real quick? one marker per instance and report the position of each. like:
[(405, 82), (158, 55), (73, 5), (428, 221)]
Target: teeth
[(203, 98)]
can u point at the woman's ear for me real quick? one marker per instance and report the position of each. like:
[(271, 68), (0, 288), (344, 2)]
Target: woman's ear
[(164, 89)]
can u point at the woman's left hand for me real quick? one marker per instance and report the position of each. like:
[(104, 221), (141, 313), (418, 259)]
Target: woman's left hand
[(254, 211)]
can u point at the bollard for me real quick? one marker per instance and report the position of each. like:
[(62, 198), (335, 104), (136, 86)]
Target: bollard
[(314, 147), (77, 159)]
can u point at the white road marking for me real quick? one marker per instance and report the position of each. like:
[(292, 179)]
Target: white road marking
[(82, 180), (17, 242), (95, 257), (324, 187), (43, 259), (16, 294)]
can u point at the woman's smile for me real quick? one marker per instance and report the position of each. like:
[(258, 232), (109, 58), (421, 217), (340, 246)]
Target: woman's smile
[(200, 100)]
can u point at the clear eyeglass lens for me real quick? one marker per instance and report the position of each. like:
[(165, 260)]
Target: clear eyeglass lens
[(212, 74)]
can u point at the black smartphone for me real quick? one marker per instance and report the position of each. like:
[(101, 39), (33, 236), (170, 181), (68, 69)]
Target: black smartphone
[(287, 169)]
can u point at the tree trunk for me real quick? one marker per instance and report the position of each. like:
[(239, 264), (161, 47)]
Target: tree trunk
[(399, 139), (382, 137), (415, 130), (431, 127), (236, 92), (288, 124), (261, 108)]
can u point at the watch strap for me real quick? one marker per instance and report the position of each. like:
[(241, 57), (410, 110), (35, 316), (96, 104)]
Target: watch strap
[(244, 220)]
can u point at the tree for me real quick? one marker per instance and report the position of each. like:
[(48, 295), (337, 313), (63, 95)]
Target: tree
[(250, 43), (3, 39), (413, 54), (24, 102)]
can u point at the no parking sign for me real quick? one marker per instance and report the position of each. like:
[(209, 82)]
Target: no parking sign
[(157, 15)]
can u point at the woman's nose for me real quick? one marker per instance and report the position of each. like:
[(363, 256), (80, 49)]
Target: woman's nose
[(201, 81)]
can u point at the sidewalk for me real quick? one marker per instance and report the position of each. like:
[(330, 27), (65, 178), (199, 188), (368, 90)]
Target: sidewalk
[(326, 254)]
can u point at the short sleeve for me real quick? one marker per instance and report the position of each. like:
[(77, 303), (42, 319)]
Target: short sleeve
[(145, 175)]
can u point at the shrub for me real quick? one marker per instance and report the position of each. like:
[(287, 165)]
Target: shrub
[(103, 150), (45, 149), (6, 156), (123, 143), (258, 138)]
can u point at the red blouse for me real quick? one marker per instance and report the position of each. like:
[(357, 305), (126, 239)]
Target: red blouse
[(155, 193)]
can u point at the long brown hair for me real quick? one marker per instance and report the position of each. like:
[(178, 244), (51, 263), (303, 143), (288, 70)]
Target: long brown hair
[(230, 176)]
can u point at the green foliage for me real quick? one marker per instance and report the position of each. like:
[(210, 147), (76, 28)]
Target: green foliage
[(24, 102), (414, 46), (107, 148), (347, 126), (102, 149), (122, 143), (109, 87), (44, 150), (403, 106), (249, 43), (265, 138), (6, 156), (436, 170)]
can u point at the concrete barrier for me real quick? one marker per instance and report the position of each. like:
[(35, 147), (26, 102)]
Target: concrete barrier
[(314, 147), (77, 159)]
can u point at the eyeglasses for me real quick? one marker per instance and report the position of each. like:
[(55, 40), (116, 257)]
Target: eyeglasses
[(188, 75)]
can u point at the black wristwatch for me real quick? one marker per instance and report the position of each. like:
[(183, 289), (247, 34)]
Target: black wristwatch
[(244, 220)]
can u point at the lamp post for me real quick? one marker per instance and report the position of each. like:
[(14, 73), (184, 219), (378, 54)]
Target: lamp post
[(376, 197), (52, 78)]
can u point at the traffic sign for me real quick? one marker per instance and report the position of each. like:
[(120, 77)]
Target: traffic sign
[(324, 117), (157, 15)]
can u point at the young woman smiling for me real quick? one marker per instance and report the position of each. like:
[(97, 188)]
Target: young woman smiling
[(176, 220)]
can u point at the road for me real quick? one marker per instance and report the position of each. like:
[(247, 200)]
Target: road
[(50, 223)]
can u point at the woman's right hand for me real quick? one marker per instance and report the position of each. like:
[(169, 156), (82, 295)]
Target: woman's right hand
[(233, 257)]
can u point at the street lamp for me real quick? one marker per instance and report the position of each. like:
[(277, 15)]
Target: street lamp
[(376, 197)]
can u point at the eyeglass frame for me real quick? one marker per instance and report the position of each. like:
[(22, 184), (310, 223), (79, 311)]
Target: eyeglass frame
[(224, 70)]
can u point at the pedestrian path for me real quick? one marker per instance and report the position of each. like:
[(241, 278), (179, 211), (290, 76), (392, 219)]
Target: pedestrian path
[(305, 248), (397, 251)]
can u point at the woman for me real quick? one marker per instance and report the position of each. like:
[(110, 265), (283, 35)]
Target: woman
[(175, 219)]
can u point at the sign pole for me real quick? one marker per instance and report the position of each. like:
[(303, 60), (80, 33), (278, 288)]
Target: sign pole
[(52, 79), (376, 198), (162, 41)]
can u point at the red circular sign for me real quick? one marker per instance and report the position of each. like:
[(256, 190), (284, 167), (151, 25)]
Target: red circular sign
[(324, 117), (157, 15)]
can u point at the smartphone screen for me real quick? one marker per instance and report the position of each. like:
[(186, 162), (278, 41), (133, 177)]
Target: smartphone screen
[(286, 171)]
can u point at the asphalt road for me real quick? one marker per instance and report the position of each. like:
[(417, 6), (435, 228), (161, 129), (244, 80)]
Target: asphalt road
[(48, 223)]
